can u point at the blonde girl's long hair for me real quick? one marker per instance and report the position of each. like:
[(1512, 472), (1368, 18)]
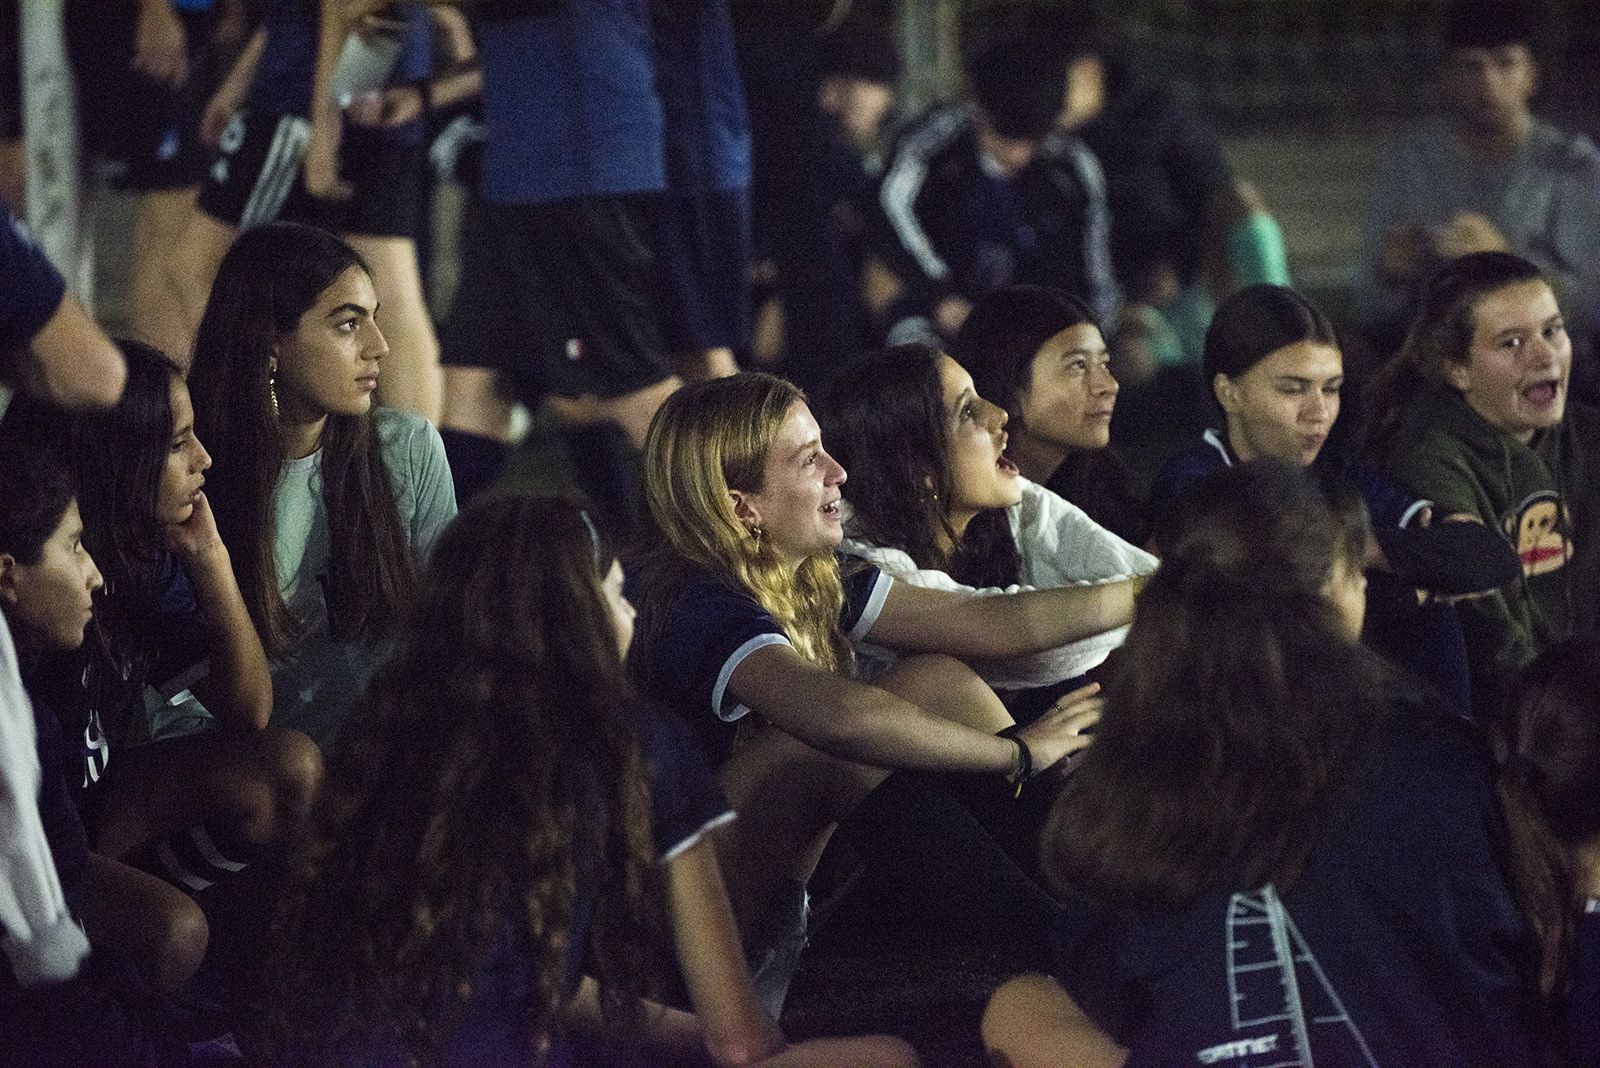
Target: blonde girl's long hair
[(710, 438)]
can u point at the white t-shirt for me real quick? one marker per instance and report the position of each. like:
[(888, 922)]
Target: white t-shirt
[(1059, 545)]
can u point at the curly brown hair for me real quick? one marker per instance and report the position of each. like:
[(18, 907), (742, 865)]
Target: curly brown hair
[(490, 781)]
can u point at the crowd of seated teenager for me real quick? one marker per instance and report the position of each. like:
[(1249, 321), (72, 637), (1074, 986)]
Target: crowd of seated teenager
[(1290, 756)]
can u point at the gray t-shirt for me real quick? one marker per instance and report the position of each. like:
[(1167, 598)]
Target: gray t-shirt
[(1545, 199), (317, 678)]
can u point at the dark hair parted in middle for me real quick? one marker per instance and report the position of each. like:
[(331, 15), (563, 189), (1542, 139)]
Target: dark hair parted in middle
[(1239, 698), (491, 781), (884, 420), (1257, 321), (272, 276)]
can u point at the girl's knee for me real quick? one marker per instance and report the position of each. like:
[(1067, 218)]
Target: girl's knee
[(947, 687), (176, 941), (293, 770), (282, 773)]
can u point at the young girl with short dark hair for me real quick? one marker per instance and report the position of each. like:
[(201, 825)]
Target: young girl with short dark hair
[(1039, 354)]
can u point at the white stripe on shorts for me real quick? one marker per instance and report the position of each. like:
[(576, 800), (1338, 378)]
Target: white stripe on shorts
[(278, 172)]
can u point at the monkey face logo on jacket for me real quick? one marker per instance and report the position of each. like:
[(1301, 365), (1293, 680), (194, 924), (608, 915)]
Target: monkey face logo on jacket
[(1538, 530)]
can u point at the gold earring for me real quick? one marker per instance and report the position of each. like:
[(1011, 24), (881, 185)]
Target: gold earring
[(272, 394)]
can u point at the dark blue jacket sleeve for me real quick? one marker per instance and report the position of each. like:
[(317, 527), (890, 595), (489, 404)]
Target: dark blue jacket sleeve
[(30, 288)]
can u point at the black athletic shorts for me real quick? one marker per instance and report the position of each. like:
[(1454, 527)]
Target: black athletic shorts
[(258, 176), (146, 134), (560, 297), (703, 249)]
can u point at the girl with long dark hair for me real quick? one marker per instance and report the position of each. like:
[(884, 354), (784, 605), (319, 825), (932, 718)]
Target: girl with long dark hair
[(326, 501), (504, 817), (1273, 848), (1039, 354), (936, 501), (1473, 412)]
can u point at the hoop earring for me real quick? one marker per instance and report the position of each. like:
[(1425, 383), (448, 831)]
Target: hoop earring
[(272, 395), (755, 532)]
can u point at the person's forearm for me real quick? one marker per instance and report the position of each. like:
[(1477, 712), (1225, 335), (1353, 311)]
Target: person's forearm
[(452, 87), (240, 678), (867, 723), (1017, 624), (875, 727), (244, 68)]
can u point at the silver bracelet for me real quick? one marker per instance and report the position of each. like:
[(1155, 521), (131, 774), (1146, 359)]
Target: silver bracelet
[(1591, 905)]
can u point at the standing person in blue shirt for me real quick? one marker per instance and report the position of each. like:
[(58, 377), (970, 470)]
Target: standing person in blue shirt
[(286, 151), (988, 192), (558, 302), (48, 344), (1273, 849), (703, 232)]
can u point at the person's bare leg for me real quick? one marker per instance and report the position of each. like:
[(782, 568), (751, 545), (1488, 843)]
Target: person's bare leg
[(789, 795), (191, 268), (476, 402), (261, 783), (155, 315), (949, 689), (706, 365), (633, 411), (161, 929), (14, 176), (410, 377)]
